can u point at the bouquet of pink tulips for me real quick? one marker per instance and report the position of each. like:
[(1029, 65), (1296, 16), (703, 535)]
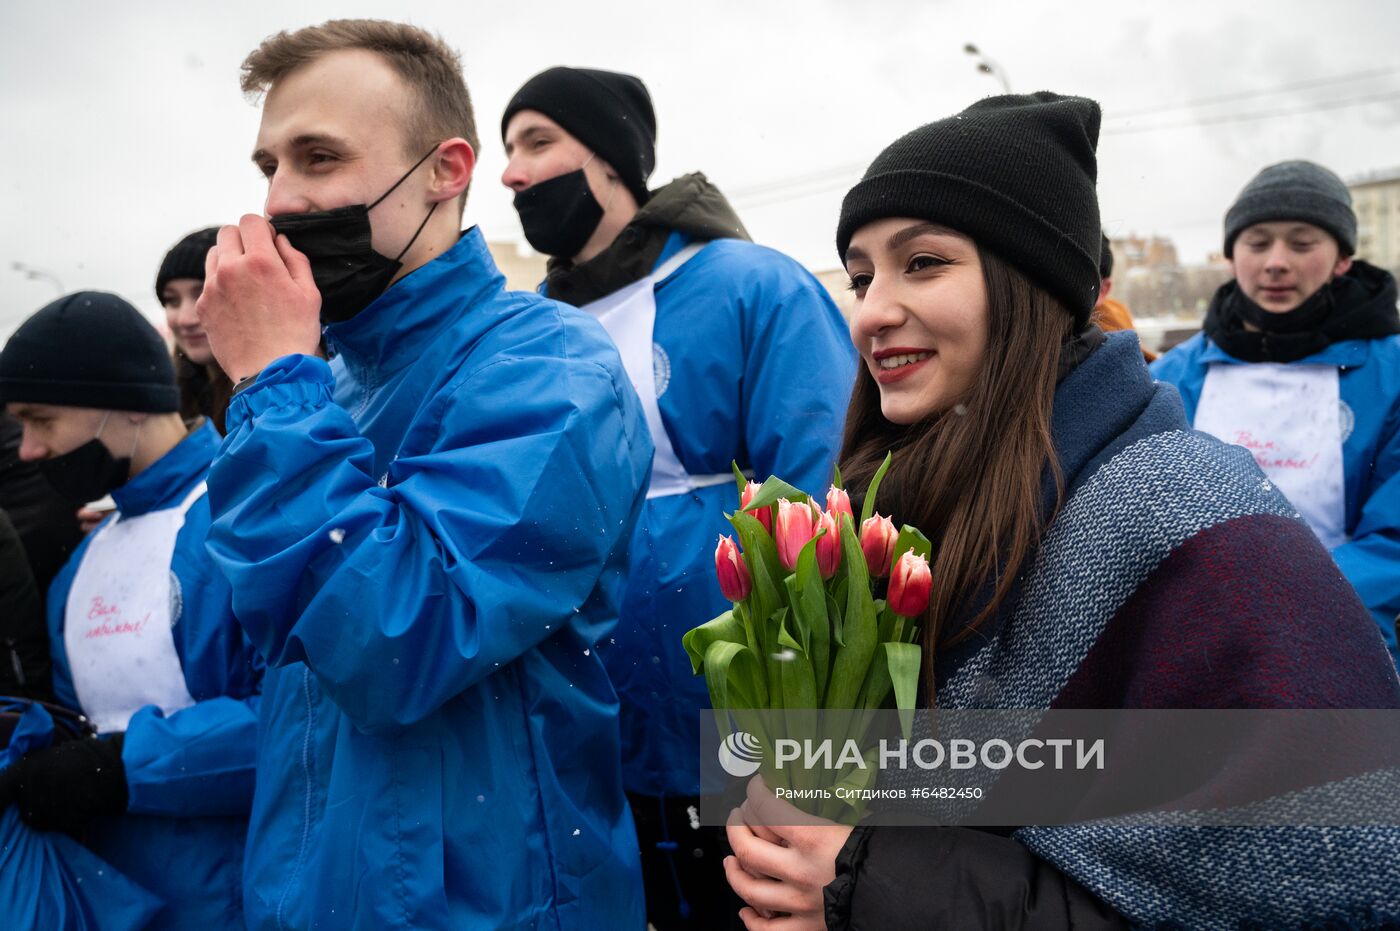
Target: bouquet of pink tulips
[(809, 629)]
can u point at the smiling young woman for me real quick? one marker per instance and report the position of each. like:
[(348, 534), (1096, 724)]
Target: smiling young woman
[(1089, 551), (204, 388), (986, 345)]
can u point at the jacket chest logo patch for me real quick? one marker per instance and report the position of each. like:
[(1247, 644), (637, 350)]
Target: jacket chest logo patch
[(660, 369)]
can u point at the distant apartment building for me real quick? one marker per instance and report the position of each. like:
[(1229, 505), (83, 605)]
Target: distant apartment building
[(1154, 252), (1376, 199), (1149, 278)]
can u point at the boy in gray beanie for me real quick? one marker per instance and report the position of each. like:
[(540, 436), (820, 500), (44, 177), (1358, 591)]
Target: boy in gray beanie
[(1299, 361), (1299, 191)]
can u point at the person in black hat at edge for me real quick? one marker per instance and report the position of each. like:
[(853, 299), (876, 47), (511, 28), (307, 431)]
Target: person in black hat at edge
[(1090, 551), (141, 628), (204, 388), (705, 321)]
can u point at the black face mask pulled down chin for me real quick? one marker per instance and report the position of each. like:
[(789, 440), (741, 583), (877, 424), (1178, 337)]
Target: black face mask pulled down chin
[(349, 273), (86, 473), (1357, 305), (559, 215), (1308, 315)]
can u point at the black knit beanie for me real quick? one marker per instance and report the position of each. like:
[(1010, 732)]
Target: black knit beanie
[(186, 259), (1299, 191), (1105, 258), (89, 349), (607, 111), (1014, 173)]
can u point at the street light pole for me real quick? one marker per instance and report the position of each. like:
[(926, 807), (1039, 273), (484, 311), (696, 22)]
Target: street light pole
[(987, 66), (38, 274)]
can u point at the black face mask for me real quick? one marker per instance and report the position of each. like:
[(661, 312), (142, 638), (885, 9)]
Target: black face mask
[(559, 215), (348, 272), (88, 472), (1307, 316)]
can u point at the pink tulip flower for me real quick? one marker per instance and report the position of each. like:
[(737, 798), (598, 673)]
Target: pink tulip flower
[(910, 585), (796, 525), (877, 540), (837, 503), (764, 515), (829, 544), (733, 572)]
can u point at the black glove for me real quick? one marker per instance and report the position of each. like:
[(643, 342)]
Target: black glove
[(62, 788)]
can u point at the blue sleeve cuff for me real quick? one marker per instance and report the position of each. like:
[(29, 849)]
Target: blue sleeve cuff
[(290, 381)]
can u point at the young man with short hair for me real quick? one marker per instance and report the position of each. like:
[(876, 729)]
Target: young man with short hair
[(738, 354), (1299, 362), (426, 535), (140, 623)]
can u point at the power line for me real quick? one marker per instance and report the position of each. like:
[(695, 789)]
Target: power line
[(837, 172), (762, 195), (1255, 115), (1251, 94)]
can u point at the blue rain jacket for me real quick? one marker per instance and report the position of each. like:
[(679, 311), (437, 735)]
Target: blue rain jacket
[(49, 880), (426, 538), (753, 364), (1369, 383), (189, 775)]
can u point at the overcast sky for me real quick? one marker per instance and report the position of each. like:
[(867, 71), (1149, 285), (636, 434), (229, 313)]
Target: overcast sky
[(124, 127)]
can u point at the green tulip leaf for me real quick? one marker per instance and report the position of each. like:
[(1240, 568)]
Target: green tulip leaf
[(859, 631), (911, 539), (733, 676), (740, 479), (697, 641), (795, 668), (808, 598), (772, 490), (903, 661), (867, 508)]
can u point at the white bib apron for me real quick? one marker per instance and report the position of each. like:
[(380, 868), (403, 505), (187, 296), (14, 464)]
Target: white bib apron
[(629, 316), (1289, 418), (117, 622)]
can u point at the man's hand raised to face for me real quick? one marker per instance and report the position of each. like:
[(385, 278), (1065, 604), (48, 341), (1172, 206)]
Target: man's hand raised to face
[(260, 301)]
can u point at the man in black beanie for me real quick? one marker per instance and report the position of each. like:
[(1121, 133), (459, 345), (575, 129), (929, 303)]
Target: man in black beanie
[(706, 322), (1299, 361), (140, 622)]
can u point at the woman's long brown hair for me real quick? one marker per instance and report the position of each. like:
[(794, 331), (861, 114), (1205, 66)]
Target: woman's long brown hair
[(970, 477), (204, 390)]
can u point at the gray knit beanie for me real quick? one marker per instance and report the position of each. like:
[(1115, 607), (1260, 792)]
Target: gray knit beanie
[(1296, 190)]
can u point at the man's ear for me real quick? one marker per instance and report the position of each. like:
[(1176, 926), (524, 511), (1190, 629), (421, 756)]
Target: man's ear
[(453, 165), (1342, 267), (1105, 286)]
